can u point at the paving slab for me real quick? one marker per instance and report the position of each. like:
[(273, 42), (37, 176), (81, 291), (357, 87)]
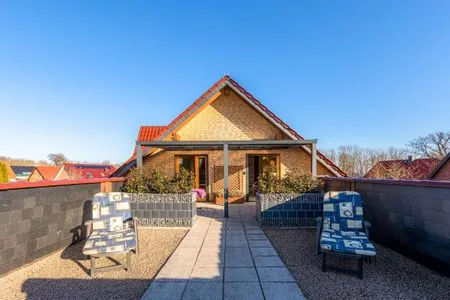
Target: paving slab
[(242, 291), (263, 251), (274, 274), (257, 237), (207, 274), (241, 275), (203, 290), (282, 290), (268, 261), (174, 273), (165, 290), (265, 243), (238, 260)]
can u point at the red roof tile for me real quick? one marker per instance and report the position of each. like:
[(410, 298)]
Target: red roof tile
[(158, 131), (88, 171), (420, 168), (149, 133)]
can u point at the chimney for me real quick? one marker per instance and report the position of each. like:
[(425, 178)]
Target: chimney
[(410, 160)]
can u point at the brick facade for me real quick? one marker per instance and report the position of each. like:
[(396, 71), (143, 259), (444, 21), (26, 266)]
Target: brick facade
[(229, 117)]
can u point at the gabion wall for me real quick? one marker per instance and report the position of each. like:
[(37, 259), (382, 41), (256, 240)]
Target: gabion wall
[(289, 210), (164, 210)]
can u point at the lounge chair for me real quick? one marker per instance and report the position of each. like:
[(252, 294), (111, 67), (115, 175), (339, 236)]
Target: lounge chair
[(112, 230), (342, 230)]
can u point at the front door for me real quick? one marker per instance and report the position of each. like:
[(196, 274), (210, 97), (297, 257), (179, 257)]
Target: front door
[(198, 165)]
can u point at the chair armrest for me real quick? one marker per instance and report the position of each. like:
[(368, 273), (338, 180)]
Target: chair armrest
[(367, 226), (88, 225)]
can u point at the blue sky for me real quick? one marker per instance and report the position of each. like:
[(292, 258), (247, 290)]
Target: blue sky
[(80, 77)]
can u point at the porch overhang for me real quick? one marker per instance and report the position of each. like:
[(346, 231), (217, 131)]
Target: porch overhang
[(226, 146)]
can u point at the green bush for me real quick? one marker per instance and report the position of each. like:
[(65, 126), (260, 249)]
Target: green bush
[(293, 183), (156, 182)]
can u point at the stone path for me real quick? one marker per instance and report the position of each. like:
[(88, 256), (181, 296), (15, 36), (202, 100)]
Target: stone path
[(224, 259)]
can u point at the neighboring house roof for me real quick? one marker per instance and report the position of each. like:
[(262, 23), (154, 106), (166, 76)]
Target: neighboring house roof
[(416, 169), (22, 171), (90, 170), (48, 172), (440, 166), (160, 132)]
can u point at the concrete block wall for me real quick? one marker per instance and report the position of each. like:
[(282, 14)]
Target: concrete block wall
[(164, 210), (287, 210), (407, 215), (36, 221)]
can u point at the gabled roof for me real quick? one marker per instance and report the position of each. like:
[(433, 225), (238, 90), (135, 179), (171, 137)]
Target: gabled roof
[(440, 166), (419, 168), (48, 172), (164, 131)]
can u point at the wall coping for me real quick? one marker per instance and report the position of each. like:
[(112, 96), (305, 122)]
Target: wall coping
[(405, 182), (39, 184)]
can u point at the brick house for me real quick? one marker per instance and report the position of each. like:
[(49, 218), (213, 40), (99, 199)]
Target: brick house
[(403, 168), (227, 112), (48, 173), (442, 171)]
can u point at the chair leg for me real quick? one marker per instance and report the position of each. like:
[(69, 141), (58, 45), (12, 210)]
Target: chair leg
[(129, 261), (92, 266), (324, 262), (360, 267)]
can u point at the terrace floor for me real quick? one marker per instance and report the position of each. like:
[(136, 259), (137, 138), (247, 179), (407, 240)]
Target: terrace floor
[(224, 259)]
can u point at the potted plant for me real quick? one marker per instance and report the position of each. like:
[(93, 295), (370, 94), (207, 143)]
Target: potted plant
[(233, 197)]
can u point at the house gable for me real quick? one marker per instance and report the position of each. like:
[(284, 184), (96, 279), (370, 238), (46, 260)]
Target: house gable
[(171, 130), (229, 117)]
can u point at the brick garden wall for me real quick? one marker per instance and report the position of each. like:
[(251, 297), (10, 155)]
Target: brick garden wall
[(37, 219), (406, 215)]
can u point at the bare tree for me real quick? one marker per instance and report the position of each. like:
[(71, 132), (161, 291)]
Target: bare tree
[(57, 159), (434, 145), (357, 161)]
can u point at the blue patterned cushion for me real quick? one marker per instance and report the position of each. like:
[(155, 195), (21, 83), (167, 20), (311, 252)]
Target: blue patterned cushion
[(110, 210), (352, 242), (343, 211), (102, 242)]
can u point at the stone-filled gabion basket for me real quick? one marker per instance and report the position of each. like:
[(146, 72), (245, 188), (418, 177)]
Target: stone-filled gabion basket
[(288, 210), (164, 210)]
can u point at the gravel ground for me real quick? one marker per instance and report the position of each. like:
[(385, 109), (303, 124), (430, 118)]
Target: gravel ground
[(65, 274), (393, 276)]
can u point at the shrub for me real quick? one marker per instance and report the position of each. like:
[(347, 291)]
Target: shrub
[(137, 181), (293, 183), (156, 182), (230, 194), (3, 173), (296, 182)]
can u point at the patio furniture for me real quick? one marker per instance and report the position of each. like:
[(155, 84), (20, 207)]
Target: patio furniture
[(111, 231), (342, 230)]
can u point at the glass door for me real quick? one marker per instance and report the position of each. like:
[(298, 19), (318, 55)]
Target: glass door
[(198, 165)]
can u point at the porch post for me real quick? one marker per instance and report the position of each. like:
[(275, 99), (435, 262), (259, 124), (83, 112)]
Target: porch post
[(138, 155), (225, 179), (314, 159)]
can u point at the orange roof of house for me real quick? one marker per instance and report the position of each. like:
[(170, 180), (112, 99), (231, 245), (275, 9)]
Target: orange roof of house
[(418, 168), (157, 132), (150, 133), (48, 172)]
